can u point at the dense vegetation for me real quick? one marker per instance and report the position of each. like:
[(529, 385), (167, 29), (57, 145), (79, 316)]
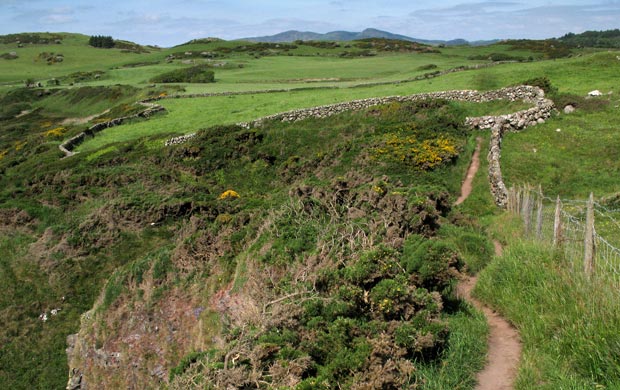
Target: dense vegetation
[(608, 38), (195, 74), (35, 38)]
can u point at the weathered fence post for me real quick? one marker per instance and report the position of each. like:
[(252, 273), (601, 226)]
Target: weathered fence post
[(588, 256), (514, 200), (557, 223), (526, 210), (539, 214)]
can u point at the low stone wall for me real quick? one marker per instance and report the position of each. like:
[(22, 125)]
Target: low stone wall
[(70, 144), (180, 139), (517, 121), (524, 92), (496, 181), (542, 109)]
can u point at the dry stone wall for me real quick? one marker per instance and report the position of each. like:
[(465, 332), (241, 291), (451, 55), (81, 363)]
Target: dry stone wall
[(542, 109), (523, 92), (70, 144)]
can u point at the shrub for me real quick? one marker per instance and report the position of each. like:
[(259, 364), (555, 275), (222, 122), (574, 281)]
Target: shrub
[(423, 155), (194, 74), (186, 362), (427, 67), (541, 82), (435, 261)]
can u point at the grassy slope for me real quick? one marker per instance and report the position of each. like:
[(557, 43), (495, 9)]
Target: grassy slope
[(567, 324), (169, 180), (78, 57)]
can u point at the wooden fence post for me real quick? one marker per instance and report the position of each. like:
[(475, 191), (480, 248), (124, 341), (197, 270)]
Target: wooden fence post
[(526, 210), (557, 223), (539, 214), (588, 256)]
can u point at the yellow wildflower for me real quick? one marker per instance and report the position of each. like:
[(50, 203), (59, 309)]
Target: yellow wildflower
[(229, 194)]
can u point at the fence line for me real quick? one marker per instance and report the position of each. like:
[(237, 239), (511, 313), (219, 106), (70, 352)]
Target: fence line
[(570, 226)]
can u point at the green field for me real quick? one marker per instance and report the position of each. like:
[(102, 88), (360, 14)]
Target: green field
[(336, 249)]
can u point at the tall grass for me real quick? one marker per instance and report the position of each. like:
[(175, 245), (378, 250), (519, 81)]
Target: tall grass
[(465, 356), (568, 324)]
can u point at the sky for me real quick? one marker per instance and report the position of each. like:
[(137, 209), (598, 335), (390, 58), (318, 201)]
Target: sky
[(171, 22)]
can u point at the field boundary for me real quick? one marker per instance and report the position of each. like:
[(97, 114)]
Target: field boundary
[(425, 76), (516, 121), (69, 145), (570, 226)]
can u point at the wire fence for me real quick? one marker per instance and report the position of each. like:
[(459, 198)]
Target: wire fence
[(587, 232)]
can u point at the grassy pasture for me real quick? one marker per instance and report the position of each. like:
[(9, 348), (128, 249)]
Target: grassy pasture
[(574, 75), (78, 56)]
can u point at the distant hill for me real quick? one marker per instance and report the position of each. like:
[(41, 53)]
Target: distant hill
[(293, 35)]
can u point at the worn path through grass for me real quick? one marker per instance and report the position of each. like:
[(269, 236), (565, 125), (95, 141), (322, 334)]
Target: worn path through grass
[(504, 345)]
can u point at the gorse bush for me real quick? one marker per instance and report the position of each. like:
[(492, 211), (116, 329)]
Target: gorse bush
[(195, 74), (423, 155)]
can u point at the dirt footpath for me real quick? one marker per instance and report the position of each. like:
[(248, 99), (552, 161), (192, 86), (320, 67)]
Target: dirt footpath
[(504, 349)]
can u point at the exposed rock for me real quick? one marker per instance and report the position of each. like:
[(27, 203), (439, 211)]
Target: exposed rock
[(569, 109), (75, 380), (596, 92)]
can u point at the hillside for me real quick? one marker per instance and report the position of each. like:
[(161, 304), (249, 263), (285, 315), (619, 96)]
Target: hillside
[(293, 35), (608, 38), (195, 247)]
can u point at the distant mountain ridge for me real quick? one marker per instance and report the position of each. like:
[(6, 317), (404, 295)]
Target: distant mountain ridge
[(294, 35)]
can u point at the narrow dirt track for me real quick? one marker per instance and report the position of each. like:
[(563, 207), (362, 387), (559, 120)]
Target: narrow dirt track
[(504, 349), (467, 185)]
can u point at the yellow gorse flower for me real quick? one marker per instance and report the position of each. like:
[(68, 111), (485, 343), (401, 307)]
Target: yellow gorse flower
[(229, 194), (425, 154), (56, 132)]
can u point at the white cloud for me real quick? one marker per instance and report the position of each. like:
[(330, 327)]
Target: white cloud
[(57, 19)]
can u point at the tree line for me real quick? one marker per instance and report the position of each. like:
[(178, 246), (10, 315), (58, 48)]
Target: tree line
[(103, 41)]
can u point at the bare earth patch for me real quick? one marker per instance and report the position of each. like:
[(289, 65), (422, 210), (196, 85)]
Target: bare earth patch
[(81, 121), (471, 173), (504, 345)]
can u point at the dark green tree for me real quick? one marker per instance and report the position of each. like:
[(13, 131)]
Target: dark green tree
[(102, 41)]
